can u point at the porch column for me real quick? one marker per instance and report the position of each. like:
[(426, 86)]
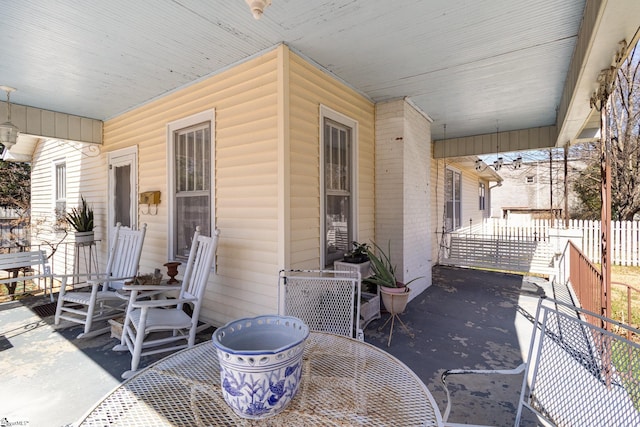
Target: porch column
[(402, 205)]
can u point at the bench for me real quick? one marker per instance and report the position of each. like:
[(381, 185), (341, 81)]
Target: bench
[(577, 373), (33, 264)]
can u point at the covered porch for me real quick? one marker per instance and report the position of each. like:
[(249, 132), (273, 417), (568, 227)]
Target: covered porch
[(468, 318)]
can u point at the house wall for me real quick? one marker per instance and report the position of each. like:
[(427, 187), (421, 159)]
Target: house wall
[(310, 87), (516, 191), (78, 158), (470, 212), (245, 100), (403, 147), (267, 173)]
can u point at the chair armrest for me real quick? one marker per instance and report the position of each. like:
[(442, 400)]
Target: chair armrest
[(161, 303), (107, 279), (79, 275), (445, 374), (151, 287)]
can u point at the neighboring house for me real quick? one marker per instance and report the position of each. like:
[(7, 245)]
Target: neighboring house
[(530, 189), (290, 165)]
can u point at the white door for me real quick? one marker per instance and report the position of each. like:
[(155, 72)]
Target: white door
[(123, 188)]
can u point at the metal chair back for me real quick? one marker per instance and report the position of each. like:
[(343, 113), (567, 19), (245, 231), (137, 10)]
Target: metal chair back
[(325, 300), (578, 371)]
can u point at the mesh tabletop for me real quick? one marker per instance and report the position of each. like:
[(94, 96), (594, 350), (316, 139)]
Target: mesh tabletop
[(345, 382)]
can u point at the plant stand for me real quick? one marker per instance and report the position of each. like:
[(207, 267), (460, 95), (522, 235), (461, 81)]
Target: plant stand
[(89, 253), (369, 302), (395, 303)]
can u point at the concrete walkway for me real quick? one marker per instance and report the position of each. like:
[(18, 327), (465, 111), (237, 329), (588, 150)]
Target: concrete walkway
[(49, 378), (467, 319)]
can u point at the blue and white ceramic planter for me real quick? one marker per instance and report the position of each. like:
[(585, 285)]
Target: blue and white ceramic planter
[(260, 363)]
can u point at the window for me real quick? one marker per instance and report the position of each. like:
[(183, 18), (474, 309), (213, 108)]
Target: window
[(60, 195), (191, 151), (338, 148), (531, 179), (452, 190), (482, 196)]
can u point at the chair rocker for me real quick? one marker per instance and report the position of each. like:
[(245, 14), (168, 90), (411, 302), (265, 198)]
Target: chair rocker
[(103, 302), (147, 319)]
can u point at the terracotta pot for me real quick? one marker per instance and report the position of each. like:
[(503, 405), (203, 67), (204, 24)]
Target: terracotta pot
[(400, 289), (395, 299)]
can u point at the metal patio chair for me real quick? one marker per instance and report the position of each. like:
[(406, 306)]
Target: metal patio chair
[(146, 318), (577, 373), (326, 300), (103, 302)]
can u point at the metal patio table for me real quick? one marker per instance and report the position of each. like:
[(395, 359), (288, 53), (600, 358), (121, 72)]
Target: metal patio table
[(344, 382)]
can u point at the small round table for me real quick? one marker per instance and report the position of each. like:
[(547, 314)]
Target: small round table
[(344, 382)]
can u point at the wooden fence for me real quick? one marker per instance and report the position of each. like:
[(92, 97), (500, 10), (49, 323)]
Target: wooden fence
[(625, 235)]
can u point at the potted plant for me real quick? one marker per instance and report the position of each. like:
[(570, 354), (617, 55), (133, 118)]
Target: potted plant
[(81, 219), (358, 254), (395, 294)]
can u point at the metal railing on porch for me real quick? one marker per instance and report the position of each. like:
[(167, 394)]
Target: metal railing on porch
[(585, 280), (625, 235), (516, 253)]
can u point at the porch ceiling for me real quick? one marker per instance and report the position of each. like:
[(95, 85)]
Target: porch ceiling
[(469, 64)]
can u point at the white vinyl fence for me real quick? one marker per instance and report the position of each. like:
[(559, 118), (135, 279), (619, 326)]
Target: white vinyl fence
[(625, 235)]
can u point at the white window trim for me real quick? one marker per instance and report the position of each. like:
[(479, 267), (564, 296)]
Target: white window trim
[(483, 185), (54, 180), (128, 151), (459, 172), (328, 113), (204, 116)]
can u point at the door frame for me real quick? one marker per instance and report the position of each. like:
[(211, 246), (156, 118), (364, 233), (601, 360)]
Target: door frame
[(129, 154)]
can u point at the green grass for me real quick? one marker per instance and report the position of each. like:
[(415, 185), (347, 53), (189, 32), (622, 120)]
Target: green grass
[(627, 364), (630, 276)]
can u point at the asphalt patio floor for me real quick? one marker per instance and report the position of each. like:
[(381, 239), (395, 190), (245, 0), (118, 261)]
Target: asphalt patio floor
[(466, 319)]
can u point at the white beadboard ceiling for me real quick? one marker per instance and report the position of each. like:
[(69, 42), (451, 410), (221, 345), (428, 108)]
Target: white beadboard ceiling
[(472, 64)]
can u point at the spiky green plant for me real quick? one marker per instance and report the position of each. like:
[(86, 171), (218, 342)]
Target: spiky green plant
[(81, 218), (384, 272)]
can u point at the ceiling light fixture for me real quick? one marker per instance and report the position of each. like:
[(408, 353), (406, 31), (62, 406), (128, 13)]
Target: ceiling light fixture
[(257, 7), (8, 131), (499, 162)]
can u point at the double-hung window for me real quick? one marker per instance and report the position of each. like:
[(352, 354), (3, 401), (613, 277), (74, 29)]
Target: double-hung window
[(191, 154), (482, 197), (452, 193), (338, 171), (60, 196)]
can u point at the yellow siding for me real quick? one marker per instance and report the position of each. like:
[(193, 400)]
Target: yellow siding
[(309, 88), (266, 151), (245, 102)]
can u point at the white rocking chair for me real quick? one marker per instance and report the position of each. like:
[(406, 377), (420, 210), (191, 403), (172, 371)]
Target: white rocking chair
[(103, 302), (148, 316)]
